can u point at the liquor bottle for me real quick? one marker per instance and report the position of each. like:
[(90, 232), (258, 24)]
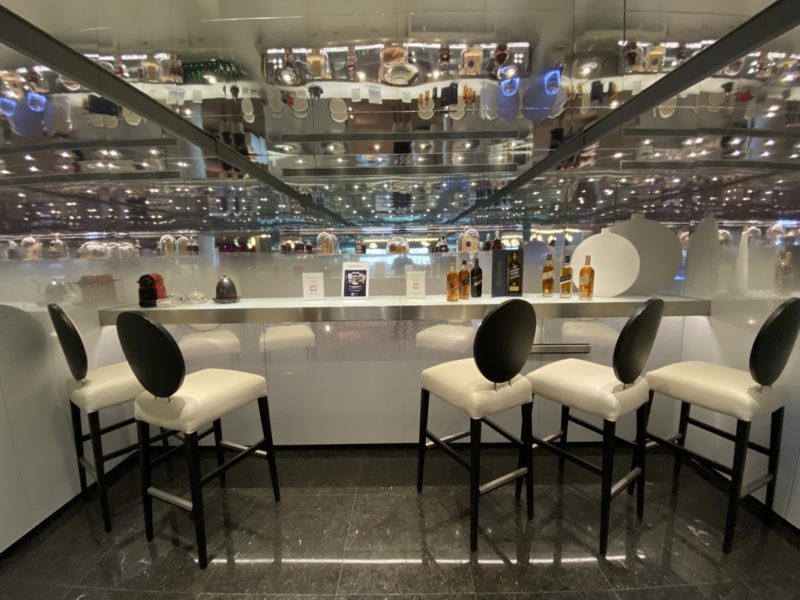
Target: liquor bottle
[(452, 284), (359, 246), (784, 274), (487, 243), (514, 274), (548, 276), (444, 247), (587, 280), (463, 282), (565, 280), (497, 244), (476, 280)]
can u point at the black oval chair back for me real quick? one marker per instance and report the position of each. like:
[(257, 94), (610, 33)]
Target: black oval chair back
[(152, 353), (70, 340), (636, 339), (774, 342), (503, 340)]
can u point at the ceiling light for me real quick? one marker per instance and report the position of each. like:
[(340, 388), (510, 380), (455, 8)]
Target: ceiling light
[(769, 115), (29, 157), (647, 142), (618, 155), (774, 108), (33, 169), (736, 141)]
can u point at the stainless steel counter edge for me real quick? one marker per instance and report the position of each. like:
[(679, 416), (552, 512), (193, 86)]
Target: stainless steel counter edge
[(304, 313)]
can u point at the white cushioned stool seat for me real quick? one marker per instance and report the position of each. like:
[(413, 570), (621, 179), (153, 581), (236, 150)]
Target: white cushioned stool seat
[(719, 388), (450, 338), (588, 387), (104, 386), (287, 337), (204, 397), (209, 343), (460, 383)]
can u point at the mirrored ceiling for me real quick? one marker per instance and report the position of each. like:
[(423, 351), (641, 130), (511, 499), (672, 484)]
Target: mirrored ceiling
[(398, 113)]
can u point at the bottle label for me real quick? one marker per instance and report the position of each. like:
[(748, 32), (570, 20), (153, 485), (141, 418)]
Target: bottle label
[(513, 273), (452, 283), (477, 280), (465, 281), (565, 279), (586, 279), (547, 276)]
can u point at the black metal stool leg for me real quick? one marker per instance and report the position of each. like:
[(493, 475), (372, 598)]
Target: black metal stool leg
[(474, 481), (196, 486), (609, 433), (520, 456), (737, 477), (683, 426), (775, 433), (642, 417), (97, 449), (266, 428), (165, 439), (143, 433), (527, 450), (424, 402), (562, 441), (77, 435), (219, 449)]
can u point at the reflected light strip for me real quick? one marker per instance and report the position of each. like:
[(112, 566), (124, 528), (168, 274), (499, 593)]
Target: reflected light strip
[(410, 561), (229, 19)]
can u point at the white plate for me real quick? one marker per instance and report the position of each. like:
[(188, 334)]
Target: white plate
[(615, 262), (300, 104), (659, 253)]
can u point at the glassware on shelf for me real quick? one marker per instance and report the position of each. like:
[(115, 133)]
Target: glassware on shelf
[(326, 243), (468, 240), (166, 245), (182, 245), (397, 245)]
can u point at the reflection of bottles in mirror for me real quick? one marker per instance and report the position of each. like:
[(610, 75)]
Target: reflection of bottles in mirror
[(463, 282), (514, 274), (784, 274), (487, 243), (443, 247), (587, 280), (566, 278), (476, 280), (497, 244), (452, 284), (360, 248), (548, 276)]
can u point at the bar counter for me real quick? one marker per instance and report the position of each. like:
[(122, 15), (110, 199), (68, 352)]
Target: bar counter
[(396, 308)]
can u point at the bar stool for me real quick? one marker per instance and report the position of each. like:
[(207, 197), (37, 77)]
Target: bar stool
[(287, 337), (93, 390), (205, 344), (739, 394), (608, 393), (187, 403), (481, 386)]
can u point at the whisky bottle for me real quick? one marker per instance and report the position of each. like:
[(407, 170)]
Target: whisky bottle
[(476, 280), (548, 276), (359, 246), (463, 282), (487, 243), (452, 284), (565, 279), (586, 280), (514, 274), (497, 244), (444, 247)]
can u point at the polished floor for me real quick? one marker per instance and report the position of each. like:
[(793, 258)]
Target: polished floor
[(351, 525)]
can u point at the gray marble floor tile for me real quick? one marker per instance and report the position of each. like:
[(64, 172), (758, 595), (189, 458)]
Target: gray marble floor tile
[(26, 590), (707, 591), (83, 593), (404, 575)]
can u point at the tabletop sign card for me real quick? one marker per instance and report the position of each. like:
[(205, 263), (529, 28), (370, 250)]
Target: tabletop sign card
[(355, 280), (313, 286), (415, 284)]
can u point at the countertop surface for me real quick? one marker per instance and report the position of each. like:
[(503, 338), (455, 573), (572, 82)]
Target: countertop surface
[(398, 308)]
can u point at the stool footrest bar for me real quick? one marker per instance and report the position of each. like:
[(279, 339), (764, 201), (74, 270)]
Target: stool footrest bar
[(755, 485), (228, 464), (120, 452), (623, 483), (88, 466), (449, 438), (549, 438), (450, 452), (242, 448), (176, 501), (502, 480)]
